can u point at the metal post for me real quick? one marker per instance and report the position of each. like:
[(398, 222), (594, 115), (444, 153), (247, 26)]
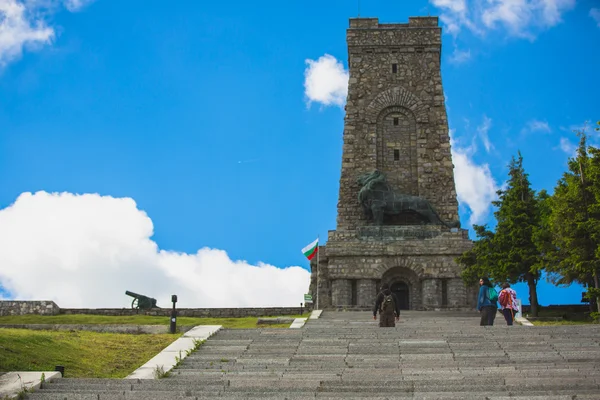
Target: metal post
[(173, 327)]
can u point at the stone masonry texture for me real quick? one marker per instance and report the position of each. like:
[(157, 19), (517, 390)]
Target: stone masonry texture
[(22, 307), (396, 122), (13, 307)]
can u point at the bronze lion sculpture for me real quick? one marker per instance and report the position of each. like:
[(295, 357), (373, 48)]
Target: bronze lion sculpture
[(378, 199)]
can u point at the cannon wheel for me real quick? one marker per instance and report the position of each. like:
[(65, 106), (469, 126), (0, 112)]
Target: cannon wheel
[(135, 304)]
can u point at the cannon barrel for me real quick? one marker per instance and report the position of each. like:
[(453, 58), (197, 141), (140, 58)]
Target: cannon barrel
[(141, 301)]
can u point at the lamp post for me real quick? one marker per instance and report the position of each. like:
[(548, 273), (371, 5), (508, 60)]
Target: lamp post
[(174, 314)]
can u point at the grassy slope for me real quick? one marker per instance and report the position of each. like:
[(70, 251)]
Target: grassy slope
[(84, 354), (90, 354)]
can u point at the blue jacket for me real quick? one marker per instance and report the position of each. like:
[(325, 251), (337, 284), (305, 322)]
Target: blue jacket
[(483, 299)]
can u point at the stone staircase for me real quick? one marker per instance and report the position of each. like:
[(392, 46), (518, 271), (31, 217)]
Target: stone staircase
[(429, 355)]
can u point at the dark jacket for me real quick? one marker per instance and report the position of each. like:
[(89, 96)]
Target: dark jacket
[(379, 300)]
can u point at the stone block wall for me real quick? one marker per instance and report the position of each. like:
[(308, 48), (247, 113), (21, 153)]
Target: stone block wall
[(457, 293), (16, 307), (432, 293), (193, 312), (341, 292), (472, 292), (366, 292), (324, 284), (50, 308)]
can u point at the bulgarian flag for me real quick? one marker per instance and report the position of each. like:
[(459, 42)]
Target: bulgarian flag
[(311, 250)]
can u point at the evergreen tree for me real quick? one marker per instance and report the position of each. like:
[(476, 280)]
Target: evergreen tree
[(542, 233), (513, 252), (478, 261), (575, 221), (515, 246)]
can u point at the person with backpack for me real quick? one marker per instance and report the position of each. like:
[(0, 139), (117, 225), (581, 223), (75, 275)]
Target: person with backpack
[(508, 302), (487, 302), (388, 306)]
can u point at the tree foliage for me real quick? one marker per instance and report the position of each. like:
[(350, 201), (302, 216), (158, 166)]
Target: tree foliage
[(477, 262), (575, 220), (512, 252), (559, 234)]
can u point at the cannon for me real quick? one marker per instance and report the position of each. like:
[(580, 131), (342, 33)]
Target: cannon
[(140, 301)]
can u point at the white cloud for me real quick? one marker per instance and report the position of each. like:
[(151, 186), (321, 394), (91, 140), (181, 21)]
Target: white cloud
[(459, 56), (76, 5), (326, 81), (595, 14), (568, 147), (475, 185), (537, 126), (23, 25), (521, 18), (455, 14), (86, 250), (19, 29), (483, 133)]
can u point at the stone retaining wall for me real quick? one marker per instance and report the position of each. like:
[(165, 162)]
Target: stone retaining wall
[(15, 307), (50, 308), (566, 308), (191, 312)]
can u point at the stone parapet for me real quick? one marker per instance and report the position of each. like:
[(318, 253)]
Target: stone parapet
[(18, 307), (50, 308), (193, 312)]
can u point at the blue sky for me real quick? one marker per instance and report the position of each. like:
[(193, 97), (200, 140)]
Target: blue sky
[(200, 113)]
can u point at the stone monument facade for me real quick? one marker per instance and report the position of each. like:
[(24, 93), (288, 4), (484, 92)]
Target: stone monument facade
[(395, 125)]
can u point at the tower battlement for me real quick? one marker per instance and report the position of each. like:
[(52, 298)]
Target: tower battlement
[(373, 23), (369, 33)]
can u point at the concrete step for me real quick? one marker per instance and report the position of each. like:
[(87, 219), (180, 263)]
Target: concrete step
[(345, 355)]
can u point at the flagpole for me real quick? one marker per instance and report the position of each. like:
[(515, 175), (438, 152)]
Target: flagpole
[(318, 270)]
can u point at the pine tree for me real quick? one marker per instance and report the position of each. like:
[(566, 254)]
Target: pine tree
[(575, 221), (478, 262), (515, 246), (514, 251), (542, 233)]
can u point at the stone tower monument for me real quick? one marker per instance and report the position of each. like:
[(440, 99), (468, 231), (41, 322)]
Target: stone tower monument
[(397, 219)]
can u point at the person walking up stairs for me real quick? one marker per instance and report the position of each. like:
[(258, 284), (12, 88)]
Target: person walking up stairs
[(388, 306)]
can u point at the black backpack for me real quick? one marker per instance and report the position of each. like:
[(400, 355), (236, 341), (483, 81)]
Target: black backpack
[(387, 305)]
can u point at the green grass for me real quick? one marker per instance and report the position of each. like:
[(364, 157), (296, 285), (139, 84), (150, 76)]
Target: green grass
[(84, 354), (90, 354), (247, 322), (563, 322)]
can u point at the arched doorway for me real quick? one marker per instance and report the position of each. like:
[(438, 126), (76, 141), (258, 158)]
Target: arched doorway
[(400, 289), (406, 285)]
